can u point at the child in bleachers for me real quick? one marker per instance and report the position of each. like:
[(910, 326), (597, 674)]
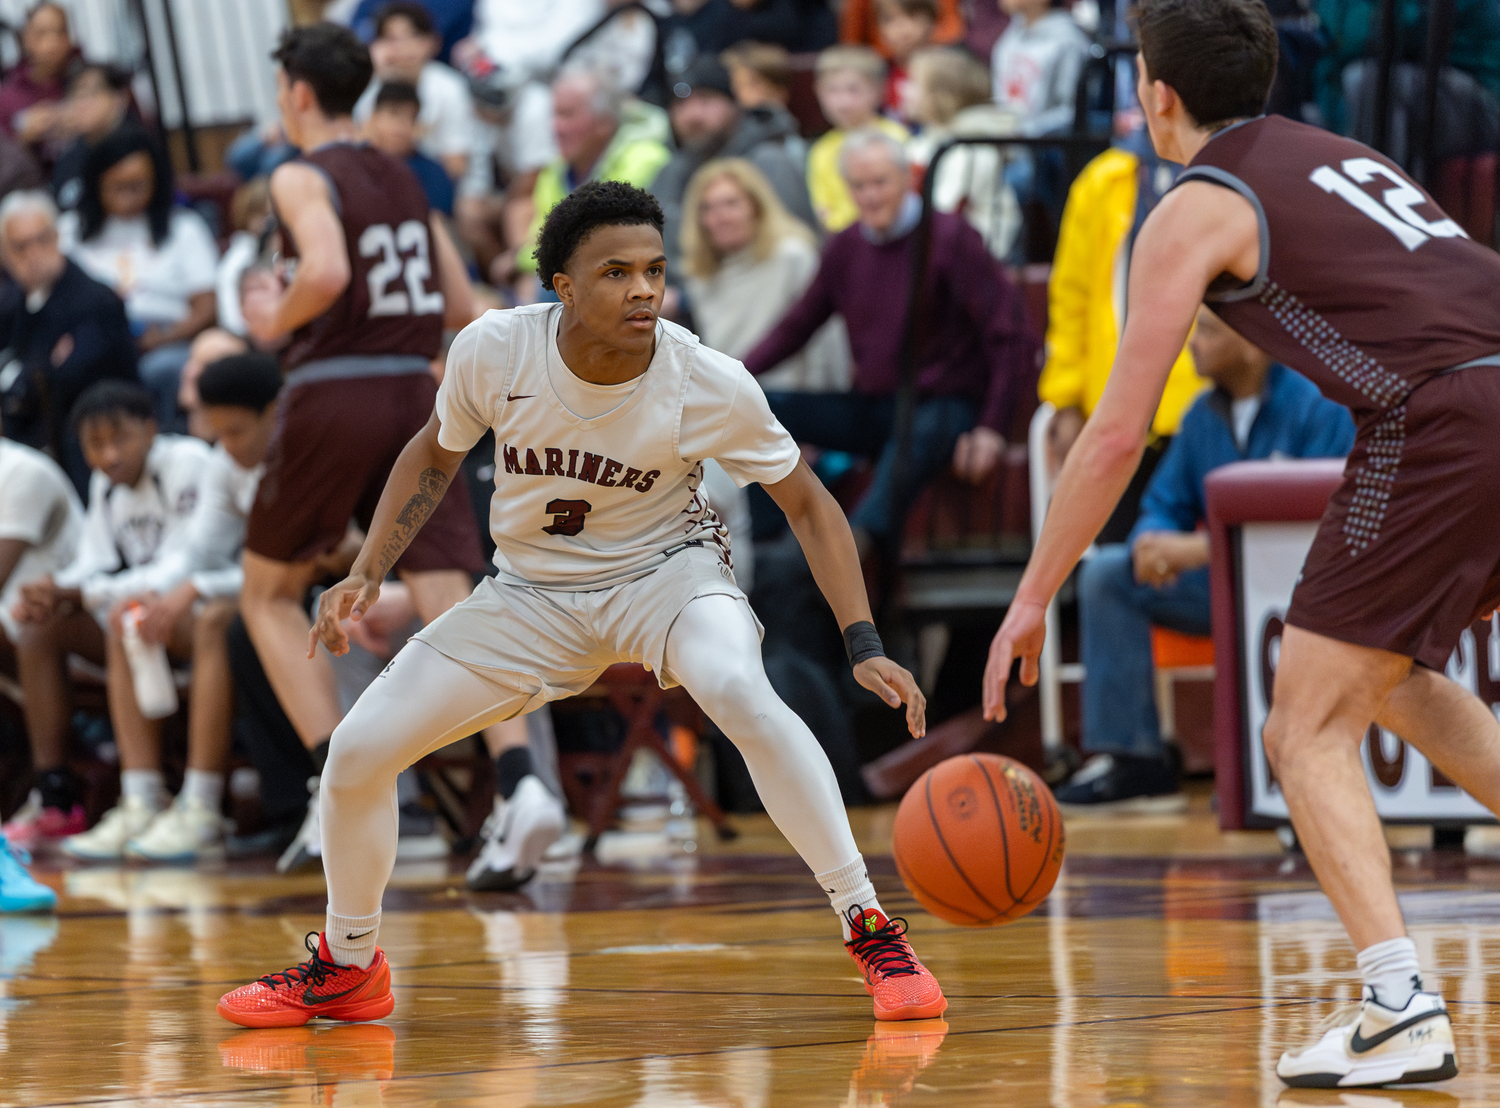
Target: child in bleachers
[(250, 215), (1036, 64), (141, 495), (392, 128), (760, 73), (850, 88), (906, 26), (190, 594)]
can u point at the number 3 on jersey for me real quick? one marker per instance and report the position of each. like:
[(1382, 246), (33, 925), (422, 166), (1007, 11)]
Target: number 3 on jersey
[(1396, 214), (404, 254), (567, 516)]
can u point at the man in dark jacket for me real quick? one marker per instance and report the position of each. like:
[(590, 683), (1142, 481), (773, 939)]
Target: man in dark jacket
[(60, 331), (708, 123)]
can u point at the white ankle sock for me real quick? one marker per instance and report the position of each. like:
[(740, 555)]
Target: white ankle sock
[(145, 785), (351, 939), (205, 787), (1390, 968), (847, 886)]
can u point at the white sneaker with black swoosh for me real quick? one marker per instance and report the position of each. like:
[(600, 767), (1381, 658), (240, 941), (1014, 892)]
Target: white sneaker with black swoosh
[(1376, 1045)]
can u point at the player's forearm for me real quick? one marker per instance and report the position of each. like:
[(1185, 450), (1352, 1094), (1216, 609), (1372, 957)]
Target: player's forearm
[(1094, 477), (416, 486), (312, 292), (824, 534)]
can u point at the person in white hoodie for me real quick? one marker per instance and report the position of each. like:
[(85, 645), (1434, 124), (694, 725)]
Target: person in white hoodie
[(142, 494), (1036, 64), (190, 593)]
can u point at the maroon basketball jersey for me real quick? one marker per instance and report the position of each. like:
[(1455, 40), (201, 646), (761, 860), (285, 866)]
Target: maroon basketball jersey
[(393, 305), (1365, 285)]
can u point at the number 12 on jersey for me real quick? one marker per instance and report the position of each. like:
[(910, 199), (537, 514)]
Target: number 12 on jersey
[(1396, 214)]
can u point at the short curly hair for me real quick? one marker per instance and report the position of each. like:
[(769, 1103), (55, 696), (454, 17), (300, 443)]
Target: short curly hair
[(584, 210)]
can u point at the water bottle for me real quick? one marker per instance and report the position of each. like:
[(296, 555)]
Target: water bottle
[(150, 673)]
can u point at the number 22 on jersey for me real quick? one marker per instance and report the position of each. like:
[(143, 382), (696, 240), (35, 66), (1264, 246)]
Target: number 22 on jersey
[(1395, 210), (405, 257)]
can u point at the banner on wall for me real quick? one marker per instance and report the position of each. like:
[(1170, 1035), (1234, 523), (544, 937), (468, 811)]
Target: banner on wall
[(1405, 785)]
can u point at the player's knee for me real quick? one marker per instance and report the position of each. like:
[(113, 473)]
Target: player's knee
[(355, 766)]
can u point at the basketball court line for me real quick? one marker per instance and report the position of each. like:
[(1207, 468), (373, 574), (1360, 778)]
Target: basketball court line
[(670, 1056)]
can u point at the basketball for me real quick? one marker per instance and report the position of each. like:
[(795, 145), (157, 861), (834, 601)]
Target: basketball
[(978, 840)]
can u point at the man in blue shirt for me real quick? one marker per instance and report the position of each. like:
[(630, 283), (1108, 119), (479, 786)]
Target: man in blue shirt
[(1159, 575)]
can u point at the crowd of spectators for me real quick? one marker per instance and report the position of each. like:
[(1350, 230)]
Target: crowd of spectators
[(787, 142)]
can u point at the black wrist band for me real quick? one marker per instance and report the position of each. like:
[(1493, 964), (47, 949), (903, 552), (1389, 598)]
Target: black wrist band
[(862, 641)]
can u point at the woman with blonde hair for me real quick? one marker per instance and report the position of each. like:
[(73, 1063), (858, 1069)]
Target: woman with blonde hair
[(747, 260), (949, 95)]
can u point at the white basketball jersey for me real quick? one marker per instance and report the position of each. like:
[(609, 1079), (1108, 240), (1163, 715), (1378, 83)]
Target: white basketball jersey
[(589, 503)]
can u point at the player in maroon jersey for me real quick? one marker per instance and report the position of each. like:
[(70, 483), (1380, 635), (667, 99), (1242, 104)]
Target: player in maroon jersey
[(376, 279), (1323, 253)]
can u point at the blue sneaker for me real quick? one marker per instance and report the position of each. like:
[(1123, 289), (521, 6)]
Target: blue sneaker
[(19, 891)]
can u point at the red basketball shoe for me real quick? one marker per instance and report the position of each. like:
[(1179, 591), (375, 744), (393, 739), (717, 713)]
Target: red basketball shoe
[(319, 988), (902, 986)]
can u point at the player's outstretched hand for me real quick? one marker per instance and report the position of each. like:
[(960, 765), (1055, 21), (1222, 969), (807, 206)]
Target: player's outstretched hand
[(1020, 636), (895, 686), (349, 599)]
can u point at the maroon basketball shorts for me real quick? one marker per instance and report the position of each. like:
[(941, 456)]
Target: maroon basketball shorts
[(334, 446), (1408, 553)]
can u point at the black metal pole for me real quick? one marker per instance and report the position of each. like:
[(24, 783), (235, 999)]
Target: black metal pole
[(139, 8), (1439, 34), (1385, 60), (189, 136)]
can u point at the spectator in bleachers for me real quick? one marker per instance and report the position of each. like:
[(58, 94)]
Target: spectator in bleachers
[(906, 26), (859, 24), (850, 88), (405, 49), (601, 136), (63, 330), (392, 128), (1159, 575), (189, 592), (159, 258), (801, 26), (98, 103), (207, 348), (453, 20), (949, 97), (1106, 207), (974, 349), (31, 95), (1036, 64), (142, 494), (746, 260), (40, 521), (1347, 74), (707, 123), (760, 74), (250, 217)]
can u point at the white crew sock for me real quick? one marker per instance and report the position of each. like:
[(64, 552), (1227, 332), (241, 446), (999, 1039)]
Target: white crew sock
[(205, 787), (145, 785), (351, 939), (848, 886), (1390, 969)]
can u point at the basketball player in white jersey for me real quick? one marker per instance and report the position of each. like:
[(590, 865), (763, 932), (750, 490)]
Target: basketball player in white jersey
[(608, 551)]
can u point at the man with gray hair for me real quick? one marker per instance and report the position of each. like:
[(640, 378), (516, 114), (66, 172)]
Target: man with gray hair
[(602, 135), (975, 351), (60, 332)]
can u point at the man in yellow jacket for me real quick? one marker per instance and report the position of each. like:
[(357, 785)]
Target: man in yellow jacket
[(1086, 308)]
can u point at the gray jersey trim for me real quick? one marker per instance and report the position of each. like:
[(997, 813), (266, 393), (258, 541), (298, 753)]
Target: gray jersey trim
[(1217, 176), (358, 365)]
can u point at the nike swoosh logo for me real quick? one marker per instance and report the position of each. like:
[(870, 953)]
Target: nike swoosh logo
[(528, 396), (310, 997), (361, 935), (1358, 1044)]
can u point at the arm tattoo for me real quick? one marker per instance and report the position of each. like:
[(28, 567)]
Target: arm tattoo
[(431, 484)]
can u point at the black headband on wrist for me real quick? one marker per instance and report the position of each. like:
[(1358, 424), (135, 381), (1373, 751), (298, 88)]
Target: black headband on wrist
[(862, 641)]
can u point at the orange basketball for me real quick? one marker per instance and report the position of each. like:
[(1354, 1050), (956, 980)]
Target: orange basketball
[(978, 840)]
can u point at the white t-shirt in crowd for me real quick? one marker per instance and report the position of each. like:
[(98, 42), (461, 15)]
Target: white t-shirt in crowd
[(445, 117), (155, 282), (1243, 413), (39, 507), (586, 503), (127, 526), (207, 551)]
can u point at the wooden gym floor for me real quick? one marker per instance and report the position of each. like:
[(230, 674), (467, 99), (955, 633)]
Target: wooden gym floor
[(1170, 968)]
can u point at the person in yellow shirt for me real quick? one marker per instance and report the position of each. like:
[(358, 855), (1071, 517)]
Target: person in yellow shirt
[(1106, 206), (850, 87)]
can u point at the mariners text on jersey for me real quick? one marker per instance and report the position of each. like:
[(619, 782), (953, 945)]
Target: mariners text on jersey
[(581, 466)]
